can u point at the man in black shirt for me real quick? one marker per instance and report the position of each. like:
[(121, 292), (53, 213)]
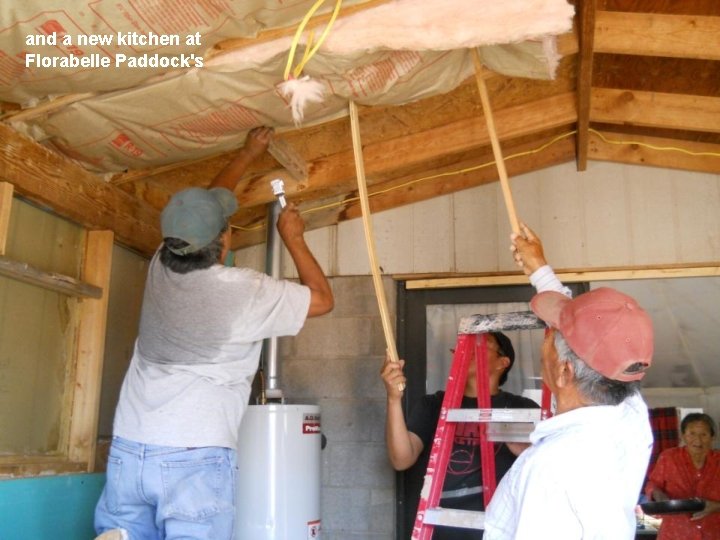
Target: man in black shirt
[(409, 444)]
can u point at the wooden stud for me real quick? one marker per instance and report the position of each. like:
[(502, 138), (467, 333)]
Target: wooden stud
[(47, 280), (658, 34), (288, 157), (90, 350), (566, 276), (48, 107), (369, 237), (655, 109), (654, 151), (499, 162), (50, 179), (584, 83), (6, 197)]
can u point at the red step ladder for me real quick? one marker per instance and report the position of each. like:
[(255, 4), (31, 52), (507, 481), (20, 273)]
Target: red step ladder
[(513, 425)]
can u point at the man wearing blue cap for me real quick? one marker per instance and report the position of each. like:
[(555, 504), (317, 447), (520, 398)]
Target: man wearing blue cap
[(171, 467)]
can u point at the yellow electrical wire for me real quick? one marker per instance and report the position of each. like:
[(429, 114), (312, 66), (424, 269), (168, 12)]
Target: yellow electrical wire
[(653, 147), (296, 39), (490, 163)]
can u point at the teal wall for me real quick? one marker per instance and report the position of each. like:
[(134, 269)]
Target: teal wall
[(49, 508)]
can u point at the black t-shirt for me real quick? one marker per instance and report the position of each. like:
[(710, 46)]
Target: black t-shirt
[(462, 486)]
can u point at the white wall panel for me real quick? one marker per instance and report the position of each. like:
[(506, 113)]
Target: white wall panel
[(698, 234), (394, 232), (433, 236), (475, 223), (322, 245), (606, 208), (609, 215), (251, 257), (562, 216), (652, 215), (526, 192)]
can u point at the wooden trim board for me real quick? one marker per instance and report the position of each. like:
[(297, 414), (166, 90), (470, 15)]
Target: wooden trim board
[(566, 276)]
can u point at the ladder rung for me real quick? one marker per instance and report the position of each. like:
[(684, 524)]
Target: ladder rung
[(466, 519), (494, 415), (510, 432)]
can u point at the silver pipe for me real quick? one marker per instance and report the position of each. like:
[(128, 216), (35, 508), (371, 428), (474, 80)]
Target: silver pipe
[(272, 268)]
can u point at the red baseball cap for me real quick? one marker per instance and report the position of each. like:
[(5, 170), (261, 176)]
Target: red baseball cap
[(604, 327)]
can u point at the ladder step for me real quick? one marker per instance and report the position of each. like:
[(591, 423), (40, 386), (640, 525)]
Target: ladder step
[(494, 415), (518, 432), (450, 517)]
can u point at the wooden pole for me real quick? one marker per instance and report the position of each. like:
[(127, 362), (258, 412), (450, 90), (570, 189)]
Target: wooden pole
[(369, 238), (499, 162), (6, 199)]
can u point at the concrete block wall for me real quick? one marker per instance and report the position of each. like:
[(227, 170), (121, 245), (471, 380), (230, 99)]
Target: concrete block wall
[(335, 362)]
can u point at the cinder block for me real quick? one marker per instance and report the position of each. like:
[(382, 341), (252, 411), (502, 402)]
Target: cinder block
[(341, 378), (347, 420), (345, 509), (355, 296), (360, 465), (382, 510), (334, 337)]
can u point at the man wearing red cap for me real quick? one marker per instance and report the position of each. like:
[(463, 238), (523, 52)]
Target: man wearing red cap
[(582, 476)]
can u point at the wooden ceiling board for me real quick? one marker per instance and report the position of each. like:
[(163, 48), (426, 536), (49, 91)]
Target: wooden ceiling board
[(637, 86)]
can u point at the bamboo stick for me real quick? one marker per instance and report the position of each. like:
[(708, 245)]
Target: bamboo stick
[(369, 237), (497, 152)]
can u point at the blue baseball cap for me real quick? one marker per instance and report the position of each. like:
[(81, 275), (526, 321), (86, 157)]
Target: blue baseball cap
[(197, 216)]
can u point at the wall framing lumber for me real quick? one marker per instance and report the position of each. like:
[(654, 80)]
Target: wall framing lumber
[(336, 171), (277, 33), (90, 349), (655, 151), (656, 34), (25, 466), (47, 280), (566, 276), (407, 189), (655, 109), (54, 181), (6, 197), (584, 83)]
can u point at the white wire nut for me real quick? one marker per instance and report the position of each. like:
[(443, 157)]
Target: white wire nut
[(278, 188)]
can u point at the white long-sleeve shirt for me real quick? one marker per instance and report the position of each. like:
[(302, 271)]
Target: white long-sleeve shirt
[(582, 476)]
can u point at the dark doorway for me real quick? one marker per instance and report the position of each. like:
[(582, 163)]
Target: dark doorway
[(412, 346)]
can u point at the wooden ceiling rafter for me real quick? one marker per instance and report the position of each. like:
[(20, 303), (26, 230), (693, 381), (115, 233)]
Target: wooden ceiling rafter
[(522, 157), (276, 33), (622, 86), (54, 181), (654, 34), (655, 109), (584, 82), (654, 151)]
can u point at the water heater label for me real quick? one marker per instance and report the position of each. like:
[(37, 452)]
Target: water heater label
[(311, 424), (314, 530)]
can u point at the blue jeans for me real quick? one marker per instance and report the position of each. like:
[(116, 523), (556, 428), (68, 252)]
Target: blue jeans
[(163, 492)]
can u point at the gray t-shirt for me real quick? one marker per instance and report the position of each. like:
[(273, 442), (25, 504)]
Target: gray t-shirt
[(197, 352)]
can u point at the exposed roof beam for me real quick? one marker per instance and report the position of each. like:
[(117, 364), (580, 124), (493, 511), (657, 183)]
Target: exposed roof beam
[(276, 33), (400, 191), (655, 151), (336, 172), (655, 34), (51, 180), (655, 109), (584, 83)]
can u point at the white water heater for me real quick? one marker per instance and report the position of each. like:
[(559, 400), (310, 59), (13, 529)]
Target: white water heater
[(278, 482)]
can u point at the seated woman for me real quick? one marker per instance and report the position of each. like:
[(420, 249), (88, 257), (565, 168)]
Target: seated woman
[(692, 470)]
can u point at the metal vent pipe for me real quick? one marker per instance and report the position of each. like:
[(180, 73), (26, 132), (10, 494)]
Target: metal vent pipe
[(272, 268)]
